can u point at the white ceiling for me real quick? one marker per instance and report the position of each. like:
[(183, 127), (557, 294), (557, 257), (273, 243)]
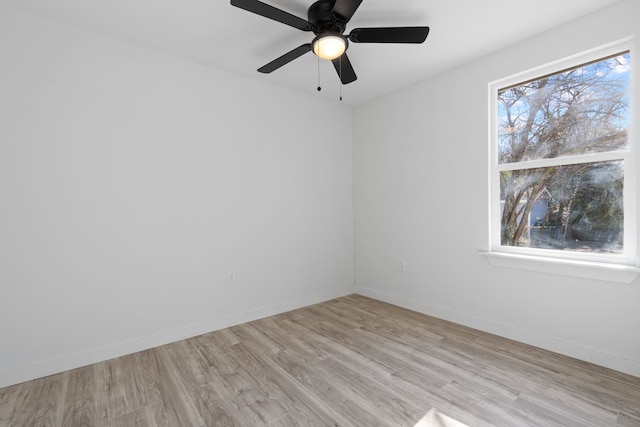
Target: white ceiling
[(214, 33)]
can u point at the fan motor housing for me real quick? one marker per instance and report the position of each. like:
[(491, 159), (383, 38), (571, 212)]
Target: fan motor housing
[(322, 17)]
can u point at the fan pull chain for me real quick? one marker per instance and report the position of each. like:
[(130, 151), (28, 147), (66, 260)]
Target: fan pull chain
[(340, 62), (319, 88)]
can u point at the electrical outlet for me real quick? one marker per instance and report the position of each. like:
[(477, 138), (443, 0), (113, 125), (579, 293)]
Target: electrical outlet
[(231, 278), (402, 266)]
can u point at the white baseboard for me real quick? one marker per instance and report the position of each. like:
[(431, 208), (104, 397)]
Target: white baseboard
[(77, 360), (577, 351)]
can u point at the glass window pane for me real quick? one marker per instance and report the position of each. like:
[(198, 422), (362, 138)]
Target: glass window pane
[(578, 111), (573, 207)]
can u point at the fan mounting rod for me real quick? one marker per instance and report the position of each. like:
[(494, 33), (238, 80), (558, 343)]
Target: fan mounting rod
[(323, 19)]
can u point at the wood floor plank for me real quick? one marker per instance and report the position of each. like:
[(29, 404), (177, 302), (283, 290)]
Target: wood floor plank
[(352, 361), (300, 419), (39, 401), (214, 409), (167, 395), (142, 417), (475, 407), (625, 420), (572, 410), (280, 385), (10, 403), (124, 385), (397, 408), (348, 407), (80, 407), (284, 332)]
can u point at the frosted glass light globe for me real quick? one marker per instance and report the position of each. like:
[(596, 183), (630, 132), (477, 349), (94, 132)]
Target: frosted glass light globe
[(329, 47)]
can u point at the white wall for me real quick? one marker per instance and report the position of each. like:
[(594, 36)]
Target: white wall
[(132, 182), (421, 195)]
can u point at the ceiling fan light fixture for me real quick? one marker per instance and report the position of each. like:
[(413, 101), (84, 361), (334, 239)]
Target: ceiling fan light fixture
[(329, 46), (327, 20)]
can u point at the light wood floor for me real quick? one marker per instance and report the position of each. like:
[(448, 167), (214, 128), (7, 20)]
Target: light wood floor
[(352, 361)]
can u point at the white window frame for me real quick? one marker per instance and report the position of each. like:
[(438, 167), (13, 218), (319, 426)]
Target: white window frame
[(622, 268)]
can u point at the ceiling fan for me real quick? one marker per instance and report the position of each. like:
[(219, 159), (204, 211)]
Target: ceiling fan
[(328, 19)]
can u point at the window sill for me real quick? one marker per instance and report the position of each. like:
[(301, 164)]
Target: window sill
[(589, 270)]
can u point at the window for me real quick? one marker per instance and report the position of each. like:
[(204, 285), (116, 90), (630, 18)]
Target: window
[(563, 161)]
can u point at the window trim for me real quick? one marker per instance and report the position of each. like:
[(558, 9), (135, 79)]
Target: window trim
[(611, 267)]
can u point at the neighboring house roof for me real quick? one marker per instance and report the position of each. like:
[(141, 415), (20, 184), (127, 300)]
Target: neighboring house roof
[(544, 194)]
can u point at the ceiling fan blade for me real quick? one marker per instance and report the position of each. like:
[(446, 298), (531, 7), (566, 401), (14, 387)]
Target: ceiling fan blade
[(344, 69), (285, 59), (274, 13), (344, 9), (389, 35)]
